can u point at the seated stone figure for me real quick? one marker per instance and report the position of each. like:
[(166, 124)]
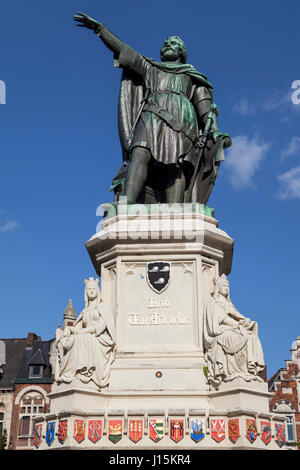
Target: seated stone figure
[(86, 350), (232, 346)]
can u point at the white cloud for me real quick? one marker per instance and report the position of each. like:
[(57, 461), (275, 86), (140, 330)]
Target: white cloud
[(293, 148), (9, 226), (243, 160), (244, 108), (290, 184), (276, 100)]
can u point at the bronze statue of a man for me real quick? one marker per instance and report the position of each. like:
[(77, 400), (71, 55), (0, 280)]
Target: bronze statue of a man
[(167, 124)]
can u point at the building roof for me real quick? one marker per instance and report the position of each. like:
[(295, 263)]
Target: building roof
[(14, 349), (36, 354), (37, 359)]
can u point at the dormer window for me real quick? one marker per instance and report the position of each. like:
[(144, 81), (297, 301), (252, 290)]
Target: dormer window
[(36, 365), (36, 372)]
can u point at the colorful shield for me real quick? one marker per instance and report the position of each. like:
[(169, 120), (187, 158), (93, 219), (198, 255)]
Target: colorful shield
[(95, 427), (233, 429), (62, 430), (280, 434), (197, 429), (156, 429), (50, 430), (251, 430), (266, 431), (37, 435), (135, 429), (115, 430), (176, 429), (158, 275), (79, 430), (218, 429)]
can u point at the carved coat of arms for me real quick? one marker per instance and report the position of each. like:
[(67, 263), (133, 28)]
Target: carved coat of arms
[(156, 429), (62, 430), (176, 429), (218, 429), (280, 438), (197, 429), (135, 429), (79, 430), (95, 427), (251, 430), (158, 275), (37, 435), (266, 433), (234, 429), (115, 430), (50, 430)]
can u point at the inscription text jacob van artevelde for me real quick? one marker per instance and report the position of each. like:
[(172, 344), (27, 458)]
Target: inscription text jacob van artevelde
[(154, 319)]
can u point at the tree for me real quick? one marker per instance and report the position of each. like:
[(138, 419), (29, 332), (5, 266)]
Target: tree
[(3, 440)]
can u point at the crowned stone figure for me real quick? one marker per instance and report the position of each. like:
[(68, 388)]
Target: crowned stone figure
[(232, 346), (171, 144), (86, 350)]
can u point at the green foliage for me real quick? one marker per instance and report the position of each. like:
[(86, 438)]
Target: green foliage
[(205, 370), (3, 440)]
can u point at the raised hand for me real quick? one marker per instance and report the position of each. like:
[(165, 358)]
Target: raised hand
[(85, 21)]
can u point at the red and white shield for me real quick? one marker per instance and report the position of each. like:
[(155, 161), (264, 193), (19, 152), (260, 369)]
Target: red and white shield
[(233, 429), (79, 430), (37, 435), (62, 432), (280, 434), (218, 429), (251, 430), (266, 433), (135, 429), (95, 427), (176, 429)]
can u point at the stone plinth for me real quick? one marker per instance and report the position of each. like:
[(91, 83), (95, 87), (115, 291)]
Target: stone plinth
[(159, 370), (159, 333)]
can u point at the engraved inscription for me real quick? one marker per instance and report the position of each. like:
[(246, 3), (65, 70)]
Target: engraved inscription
[(156, 303), (136, 319)]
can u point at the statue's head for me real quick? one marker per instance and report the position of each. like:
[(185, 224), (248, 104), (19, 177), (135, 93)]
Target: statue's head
[(173, 49), (91, 291), (222, 285)]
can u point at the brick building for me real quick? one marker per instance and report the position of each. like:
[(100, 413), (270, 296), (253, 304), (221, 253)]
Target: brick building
[(25, 381), (31, 387), (26, 377), (285, 388), (12, 353)]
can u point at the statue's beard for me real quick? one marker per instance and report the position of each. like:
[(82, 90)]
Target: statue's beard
[(169, 55)]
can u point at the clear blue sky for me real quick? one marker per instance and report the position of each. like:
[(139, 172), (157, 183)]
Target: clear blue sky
[(60, 149)]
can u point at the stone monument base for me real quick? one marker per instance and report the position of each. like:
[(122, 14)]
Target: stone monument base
[(241, 402), (158, 395)]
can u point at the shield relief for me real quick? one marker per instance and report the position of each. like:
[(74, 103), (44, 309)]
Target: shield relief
[(159, 275)]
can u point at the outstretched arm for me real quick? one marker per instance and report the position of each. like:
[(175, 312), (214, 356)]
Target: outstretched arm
[(109, 39)]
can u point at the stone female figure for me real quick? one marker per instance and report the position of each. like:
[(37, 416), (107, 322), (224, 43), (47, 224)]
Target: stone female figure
[(232, 346), (86, 350)]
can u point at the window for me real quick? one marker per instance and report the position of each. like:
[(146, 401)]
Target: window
[(1, 423), (36, 372), (290, 429), (25, 426), (29, 409)]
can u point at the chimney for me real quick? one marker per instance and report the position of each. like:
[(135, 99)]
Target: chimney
[(31, 337)]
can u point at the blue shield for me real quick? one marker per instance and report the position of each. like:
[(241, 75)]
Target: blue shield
[(50, 432), (197, 429)]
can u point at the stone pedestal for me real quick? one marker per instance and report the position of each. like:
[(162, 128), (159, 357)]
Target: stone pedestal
[(159, 368)]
